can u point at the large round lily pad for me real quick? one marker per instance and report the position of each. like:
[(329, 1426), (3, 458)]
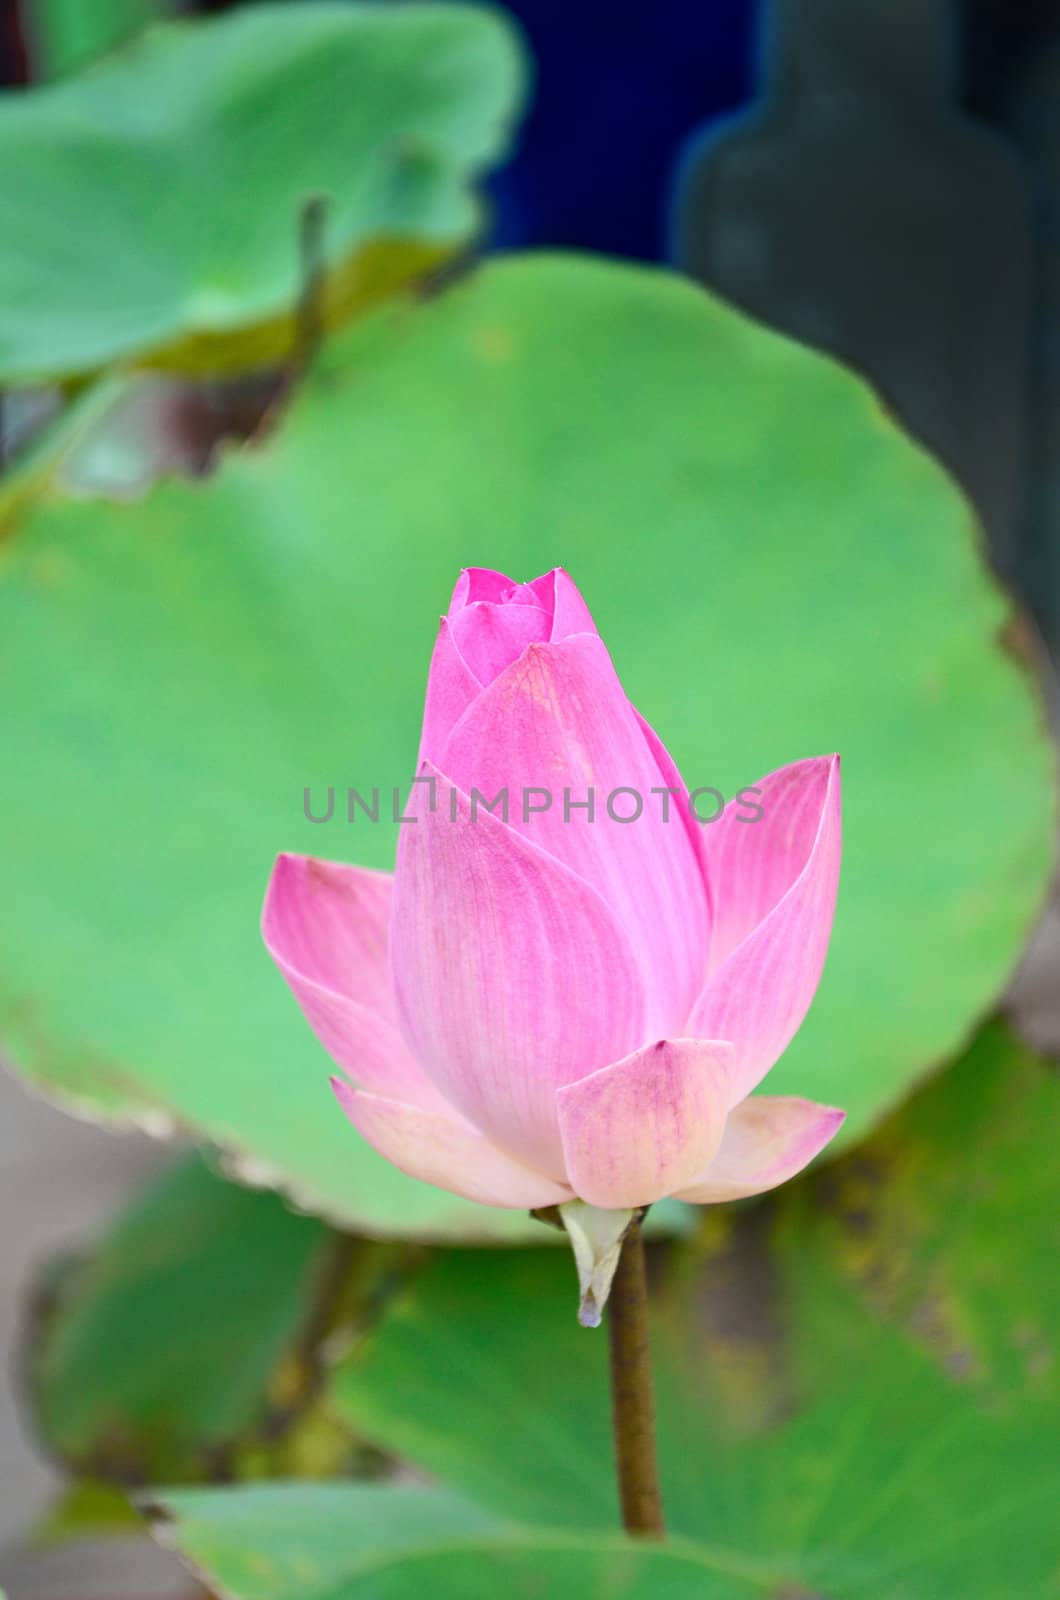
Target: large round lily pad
[(778, 571)]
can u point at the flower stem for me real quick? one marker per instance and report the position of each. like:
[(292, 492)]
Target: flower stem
[(633, 1410)]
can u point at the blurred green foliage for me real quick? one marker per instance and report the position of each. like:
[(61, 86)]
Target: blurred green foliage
[(153, 207), (153, 1355), (67, 34), (193, 1342)]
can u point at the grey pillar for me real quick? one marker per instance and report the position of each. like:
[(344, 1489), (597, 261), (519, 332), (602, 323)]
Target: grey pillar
[(858, 209)]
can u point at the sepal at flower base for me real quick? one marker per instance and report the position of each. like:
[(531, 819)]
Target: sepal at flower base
[(596, 1238)]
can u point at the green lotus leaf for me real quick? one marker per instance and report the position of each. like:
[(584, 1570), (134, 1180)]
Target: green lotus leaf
[(777, 570), (154, 207)]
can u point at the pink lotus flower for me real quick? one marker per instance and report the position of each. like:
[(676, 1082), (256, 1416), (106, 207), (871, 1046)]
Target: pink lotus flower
[(558, 1005)]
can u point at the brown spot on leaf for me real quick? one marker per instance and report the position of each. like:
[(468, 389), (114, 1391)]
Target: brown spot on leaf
[(730, 1279)]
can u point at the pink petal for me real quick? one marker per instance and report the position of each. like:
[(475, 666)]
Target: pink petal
[(491, 621), (680, 811), (753, 864), (490, 637), (555, 592), (443, 1149), (330, 924), (451, 687), (557, 720), (768, 1139), (558, 594), (479, 583), (639, 1129), (512, 975), (327, 925), (773, 891)]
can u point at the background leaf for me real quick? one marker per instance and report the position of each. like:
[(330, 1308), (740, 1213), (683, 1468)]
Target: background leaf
[(190, 1343), (151, 207), (741, 516), (299, 1542), (66, 34), (178, 1334), (855, 1380)]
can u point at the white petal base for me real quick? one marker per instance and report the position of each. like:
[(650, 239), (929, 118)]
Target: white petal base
[(447, 1151)]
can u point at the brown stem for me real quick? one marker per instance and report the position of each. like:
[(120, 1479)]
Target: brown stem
[(633, 1410)]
